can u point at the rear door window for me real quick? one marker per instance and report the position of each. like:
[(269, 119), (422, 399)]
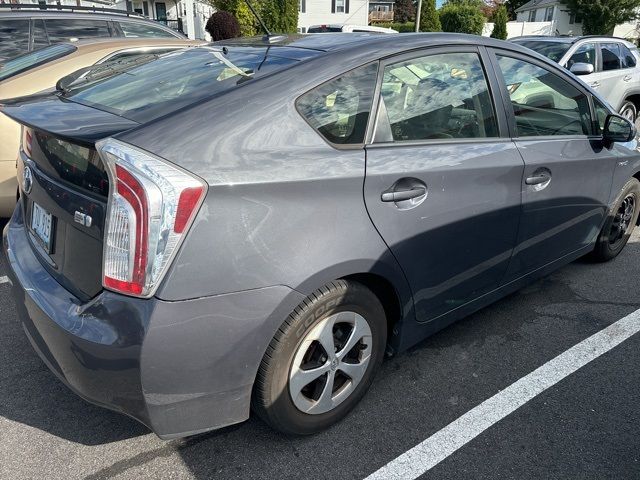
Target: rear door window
[(144, 30), (14, 38), (437, 97), (339, 109), (40, 38), (610, 56), (70, 30), (627, 58)]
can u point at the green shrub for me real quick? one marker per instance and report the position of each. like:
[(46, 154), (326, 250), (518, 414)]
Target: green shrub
[(406, 27), (280, 16), (462, 18)]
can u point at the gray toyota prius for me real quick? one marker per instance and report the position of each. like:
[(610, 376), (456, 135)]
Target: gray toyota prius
[(254, 224)]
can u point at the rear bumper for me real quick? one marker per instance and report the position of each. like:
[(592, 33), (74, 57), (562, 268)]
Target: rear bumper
[(178, 367)]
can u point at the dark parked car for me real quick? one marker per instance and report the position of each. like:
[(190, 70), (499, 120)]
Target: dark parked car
[(254, 224), (25, 28)]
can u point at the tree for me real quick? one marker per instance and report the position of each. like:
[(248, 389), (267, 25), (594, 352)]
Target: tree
[(280, 16), (461, 18), (512, 6), (222, 25), (429, 18), (404, 11), (600, 17), (500, 23), (239, 9)]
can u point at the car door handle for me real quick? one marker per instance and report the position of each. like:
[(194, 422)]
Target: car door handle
[(400, 195), (537, 179), (627, 78), (594, 84)]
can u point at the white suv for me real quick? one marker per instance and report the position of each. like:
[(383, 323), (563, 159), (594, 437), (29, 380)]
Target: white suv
[(609, 65)]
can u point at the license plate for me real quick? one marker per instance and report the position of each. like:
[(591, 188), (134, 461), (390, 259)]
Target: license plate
[(41, 225)]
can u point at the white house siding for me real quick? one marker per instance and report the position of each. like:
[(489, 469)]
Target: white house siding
[(318, 12)]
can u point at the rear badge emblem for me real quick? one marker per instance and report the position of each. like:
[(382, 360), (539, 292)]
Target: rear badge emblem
[(82, 218), (27, 180)]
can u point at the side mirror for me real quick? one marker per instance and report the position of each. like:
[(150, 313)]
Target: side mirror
[(618, 129), (580, 68)]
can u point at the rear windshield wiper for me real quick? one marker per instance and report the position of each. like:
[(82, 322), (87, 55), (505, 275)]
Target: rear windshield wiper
[(89, 75)]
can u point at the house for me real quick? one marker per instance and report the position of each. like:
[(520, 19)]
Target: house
[(562, 21), (330, 12), (381, 11)]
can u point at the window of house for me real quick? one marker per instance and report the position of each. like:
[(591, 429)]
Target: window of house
[(532, 15), (339, 109), (548, 14), (340, 6), (302, 6), (543, 102), (585, 53), (65, 30), (437, 97), (610, 56)]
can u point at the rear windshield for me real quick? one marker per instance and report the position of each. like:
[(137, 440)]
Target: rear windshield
[(34, 59), (177, 79), (324, 29), (552, 50)]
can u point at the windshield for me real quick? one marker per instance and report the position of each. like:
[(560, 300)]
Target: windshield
[(552, 50), (33, 59), (175, 80)]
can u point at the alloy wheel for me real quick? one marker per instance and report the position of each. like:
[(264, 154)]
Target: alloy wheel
[(330, 362), (622, 220)]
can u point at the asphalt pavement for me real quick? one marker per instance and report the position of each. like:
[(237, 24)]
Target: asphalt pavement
[(585, 426)]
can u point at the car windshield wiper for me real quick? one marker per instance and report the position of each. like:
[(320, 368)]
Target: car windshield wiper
[(89, 75)]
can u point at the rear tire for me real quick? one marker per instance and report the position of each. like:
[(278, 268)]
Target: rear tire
[(302, 387), (620, 223), (629, 111)]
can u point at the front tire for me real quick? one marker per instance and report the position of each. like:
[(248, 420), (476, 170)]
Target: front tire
[(620, 223), (322, 360), (629, 111)]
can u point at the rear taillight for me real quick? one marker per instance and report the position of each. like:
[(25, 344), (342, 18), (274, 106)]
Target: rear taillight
[(27, 141), (151, 206)]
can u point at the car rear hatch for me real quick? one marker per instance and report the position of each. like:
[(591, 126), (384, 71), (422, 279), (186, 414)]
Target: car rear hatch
[(64, 186)]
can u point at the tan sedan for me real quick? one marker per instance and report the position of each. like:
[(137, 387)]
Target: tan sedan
[(40, 70)]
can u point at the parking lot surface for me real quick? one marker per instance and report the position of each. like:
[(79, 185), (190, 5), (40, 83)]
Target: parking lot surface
[(585, 426)]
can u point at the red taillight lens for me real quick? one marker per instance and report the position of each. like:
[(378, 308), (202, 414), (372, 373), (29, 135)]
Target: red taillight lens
[(149, 211)]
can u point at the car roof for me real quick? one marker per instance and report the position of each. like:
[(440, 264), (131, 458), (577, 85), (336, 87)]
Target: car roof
[(569, 39), (85, 14)]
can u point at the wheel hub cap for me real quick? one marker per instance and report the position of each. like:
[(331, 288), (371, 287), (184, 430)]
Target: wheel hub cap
[(330, 362), (622, 220)]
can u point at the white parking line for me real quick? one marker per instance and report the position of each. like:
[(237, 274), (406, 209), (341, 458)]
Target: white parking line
[(4, 279), (440, 445)]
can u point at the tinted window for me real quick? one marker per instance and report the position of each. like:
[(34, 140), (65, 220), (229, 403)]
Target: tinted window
[(543, 102), (39, 57), (14, 38), (628, 60), (40, 38), (553, 50), (140, 30), (324, 29), (610, 56), (438, 96), (339, 109), (175, 80), (586, 53), (65, 30)]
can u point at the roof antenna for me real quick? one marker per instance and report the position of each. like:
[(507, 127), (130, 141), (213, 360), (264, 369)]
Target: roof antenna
[(269, 37)]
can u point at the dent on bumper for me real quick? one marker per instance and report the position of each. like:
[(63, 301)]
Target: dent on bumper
[(178, 367)]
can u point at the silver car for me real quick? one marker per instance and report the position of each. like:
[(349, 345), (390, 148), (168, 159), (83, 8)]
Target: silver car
[(611, 66)]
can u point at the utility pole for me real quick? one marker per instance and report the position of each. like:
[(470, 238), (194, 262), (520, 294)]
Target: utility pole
[(418, 11)]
